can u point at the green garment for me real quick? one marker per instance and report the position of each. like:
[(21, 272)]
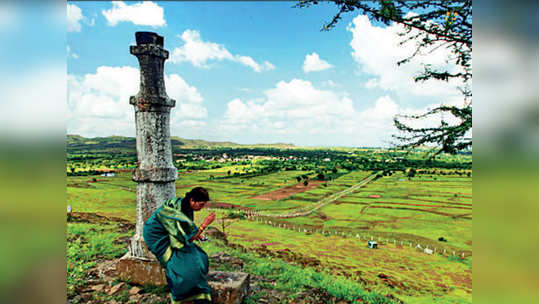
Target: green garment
[(166, 234)]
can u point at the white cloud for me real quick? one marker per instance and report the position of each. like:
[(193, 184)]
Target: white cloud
[(188, 102), (291, 107), (313, 63), (199, 53), (298, 112), (98, 103), (377, 51), (142, 13), (385, 108), (74, 17)]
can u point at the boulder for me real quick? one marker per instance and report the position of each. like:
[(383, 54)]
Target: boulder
[(228, 287), (141, 272)]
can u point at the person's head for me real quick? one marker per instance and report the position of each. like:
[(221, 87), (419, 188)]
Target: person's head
[(197, 198)]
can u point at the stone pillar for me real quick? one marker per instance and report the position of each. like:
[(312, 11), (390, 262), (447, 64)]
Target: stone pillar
[(155, 173)]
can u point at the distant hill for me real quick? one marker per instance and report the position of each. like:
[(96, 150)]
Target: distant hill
[(79, 144)]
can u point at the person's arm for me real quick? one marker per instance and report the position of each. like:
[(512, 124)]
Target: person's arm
[(207, 221)]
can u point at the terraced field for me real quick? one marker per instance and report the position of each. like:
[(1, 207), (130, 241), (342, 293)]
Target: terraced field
[(398, 212)]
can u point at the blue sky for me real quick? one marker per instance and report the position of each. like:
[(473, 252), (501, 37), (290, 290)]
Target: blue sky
[(248, 72)]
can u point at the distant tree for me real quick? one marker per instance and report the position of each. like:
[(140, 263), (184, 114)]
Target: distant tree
[(432, 25)]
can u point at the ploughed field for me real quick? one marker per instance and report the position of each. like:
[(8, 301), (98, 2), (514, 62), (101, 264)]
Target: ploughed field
[(399, 212)]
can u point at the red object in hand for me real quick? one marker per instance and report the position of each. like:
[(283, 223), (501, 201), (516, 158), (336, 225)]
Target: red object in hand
[(208, 220)]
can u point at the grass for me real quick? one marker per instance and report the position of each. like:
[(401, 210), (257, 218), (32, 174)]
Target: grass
[(346, 257), (87, 244), (295, 278), (404, 212)]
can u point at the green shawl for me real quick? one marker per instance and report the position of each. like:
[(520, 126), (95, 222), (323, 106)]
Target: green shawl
[(179, 226)]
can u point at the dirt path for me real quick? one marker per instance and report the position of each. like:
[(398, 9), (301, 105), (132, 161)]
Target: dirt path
[(323, 202)]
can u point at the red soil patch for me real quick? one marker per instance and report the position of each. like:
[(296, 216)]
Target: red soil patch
[(226, 206), (375, 196), (97, 180), (288, 191), (184, 186), (269, 244)]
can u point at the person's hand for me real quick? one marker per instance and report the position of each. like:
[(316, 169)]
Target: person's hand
[(208, 220)]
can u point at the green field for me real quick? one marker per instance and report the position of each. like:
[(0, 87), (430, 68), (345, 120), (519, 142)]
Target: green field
[(399, 209)]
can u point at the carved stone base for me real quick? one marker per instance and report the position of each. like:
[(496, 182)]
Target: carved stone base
[(140, 272), (228, 287)]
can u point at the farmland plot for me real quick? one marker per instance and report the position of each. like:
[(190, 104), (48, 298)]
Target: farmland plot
[(398, 212)]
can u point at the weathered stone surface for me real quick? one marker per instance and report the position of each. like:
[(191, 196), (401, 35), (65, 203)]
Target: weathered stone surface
[(134, 290), (155, 173), (98, 288), (141, 272), (135, 298), (116, 288), (228, 287)]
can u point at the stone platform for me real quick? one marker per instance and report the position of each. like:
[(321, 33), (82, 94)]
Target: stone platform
[(141, 272), (226, 287)]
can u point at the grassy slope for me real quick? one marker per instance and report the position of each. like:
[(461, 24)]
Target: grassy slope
[(425, 278)]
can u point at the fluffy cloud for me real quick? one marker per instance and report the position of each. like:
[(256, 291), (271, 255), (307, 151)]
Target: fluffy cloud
[(377, 51), (189, 111), (199, 53), (74, 17), (298, 112), (313, 63), (98, 104), (142, 13)]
